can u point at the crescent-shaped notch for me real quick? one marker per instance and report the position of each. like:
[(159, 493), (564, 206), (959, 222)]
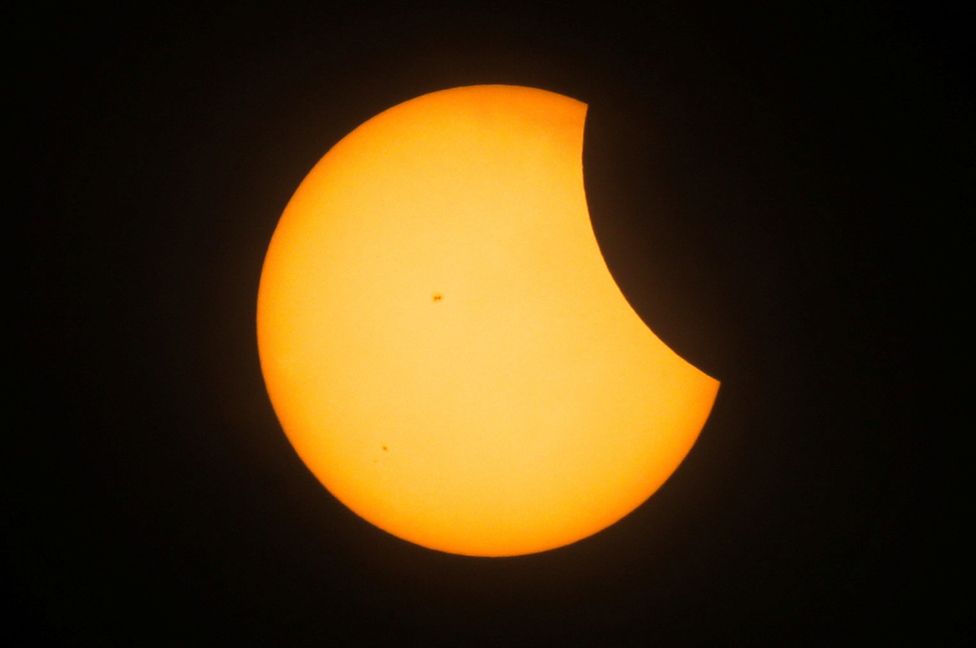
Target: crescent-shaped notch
[(442, 340)]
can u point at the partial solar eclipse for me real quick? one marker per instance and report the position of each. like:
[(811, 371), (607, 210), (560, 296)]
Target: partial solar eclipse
[(443, 343)]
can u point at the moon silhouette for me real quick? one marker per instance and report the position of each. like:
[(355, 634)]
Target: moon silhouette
[(444, 344)]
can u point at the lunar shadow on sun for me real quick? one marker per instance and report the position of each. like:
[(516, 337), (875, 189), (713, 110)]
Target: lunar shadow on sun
[(637, 224)]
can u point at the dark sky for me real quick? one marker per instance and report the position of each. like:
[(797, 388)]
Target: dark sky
[(767, 184)]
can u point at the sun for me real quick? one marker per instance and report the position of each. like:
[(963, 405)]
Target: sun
[(443, 343)]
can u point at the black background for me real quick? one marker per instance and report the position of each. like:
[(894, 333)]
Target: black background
[(765, 182)]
